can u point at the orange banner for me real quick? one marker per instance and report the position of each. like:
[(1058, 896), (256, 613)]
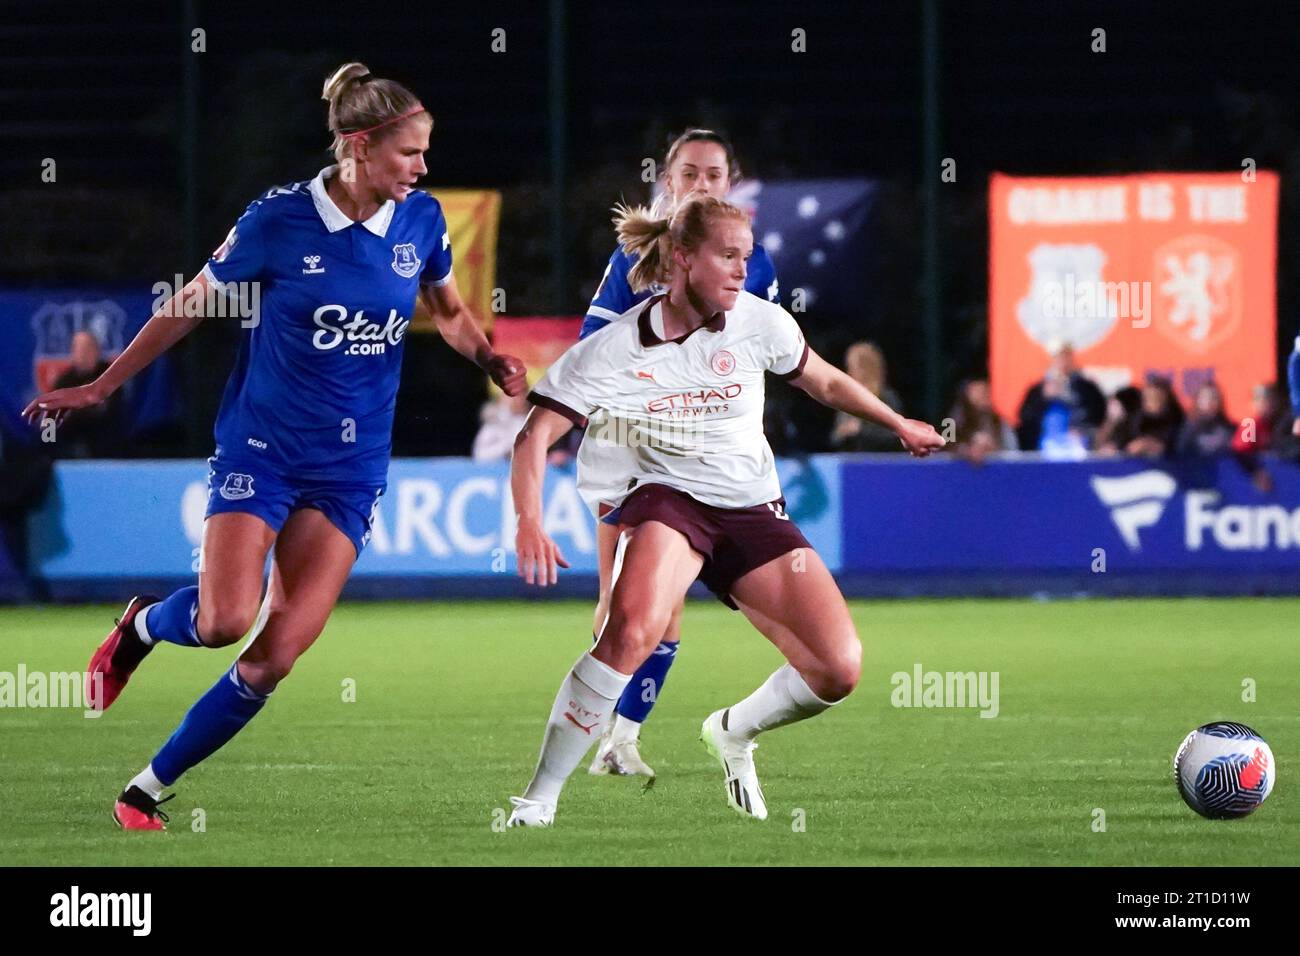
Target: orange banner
[(1165, 273), (472, 218), (537, 341)]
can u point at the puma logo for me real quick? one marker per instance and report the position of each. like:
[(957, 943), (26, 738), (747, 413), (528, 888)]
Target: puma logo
[(647, 375), (585, 728)]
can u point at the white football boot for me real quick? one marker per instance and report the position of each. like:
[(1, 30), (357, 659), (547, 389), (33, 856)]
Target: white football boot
[(736, 754), (530, 813), (619, 757), (598, 766)]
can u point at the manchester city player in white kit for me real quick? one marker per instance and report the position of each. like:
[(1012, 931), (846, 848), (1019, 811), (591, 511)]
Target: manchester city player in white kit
[(699, 161), (304, 432), (679, 379)]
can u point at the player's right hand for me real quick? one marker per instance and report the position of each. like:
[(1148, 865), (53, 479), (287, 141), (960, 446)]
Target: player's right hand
[(538, 555), (919, 438), (58, 403), (1295, 426)]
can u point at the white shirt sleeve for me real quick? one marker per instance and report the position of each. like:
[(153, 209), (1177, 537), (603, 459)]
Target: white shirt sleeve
[(572, 385), (784, 348)]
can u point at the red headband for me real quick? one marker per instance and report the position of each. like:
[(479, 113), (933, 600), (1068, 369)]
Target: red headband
[(395, 119)]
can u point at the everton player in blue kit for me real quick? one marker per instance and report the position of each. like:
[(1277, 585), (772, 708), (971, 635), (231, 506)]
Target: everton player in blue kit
[(304, 430), (699, 161)]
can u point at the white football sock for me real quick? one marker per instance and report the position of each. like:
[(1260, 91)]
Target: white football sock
[(624, 730), (783, 699), (578, 717), (142, 627), (147, 782)]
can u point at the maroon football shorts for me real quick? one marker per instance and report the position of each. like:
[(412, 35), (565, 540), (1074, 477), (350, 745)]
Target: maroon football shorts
[(732, 541)]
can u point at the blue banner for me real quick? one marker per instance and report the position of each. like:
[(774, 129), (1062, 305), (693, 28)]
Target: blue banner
[(1099, 516), (439, 517), (38, 329), (886, 525)]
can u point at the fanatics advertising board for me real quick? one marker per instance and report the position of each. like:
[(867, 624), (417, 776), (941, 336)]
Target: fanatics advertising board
[(1164, 273)]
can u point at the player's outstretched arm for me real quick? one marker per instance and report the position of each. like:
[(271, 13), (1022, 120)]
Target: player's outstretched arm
[(165, 328), (457, 324), (835, 388), (538, 555)]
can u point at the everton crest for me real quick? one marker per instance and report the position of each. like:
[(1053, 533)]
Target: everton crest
[(405, 262)]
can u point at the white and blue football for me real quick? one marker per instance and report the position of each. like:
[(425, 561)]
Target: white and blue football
[(1224, 770)]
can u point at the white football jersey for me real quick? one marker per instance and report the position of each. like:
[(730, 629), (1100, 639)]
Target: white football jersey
[(686, 413)]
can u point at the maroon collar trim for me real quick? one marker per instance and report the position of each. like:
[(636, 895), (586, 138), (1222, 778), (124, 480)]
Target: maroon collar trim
[(716, 323)]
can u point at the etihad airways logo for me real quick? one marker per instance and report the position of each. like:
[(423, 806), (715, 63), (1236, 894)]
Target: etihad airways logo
[(365, 337), (703, 400)]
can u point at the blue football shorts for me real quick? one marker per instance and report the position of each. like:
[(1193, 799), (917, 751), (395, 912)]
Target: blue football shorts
[(258, 490)]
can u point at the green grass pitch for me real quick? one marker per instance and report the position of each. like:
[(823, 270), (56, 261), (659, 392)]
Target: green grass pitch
[(451, 697)]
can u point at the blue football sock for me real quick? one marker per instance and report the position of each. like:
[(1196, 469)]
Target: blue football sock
[(215, 717), (175, 619), (647, 683)]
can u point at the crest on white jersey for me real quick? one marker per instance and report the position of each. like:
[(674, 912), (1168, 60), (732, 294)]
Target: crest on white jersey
[(722, 362), (405, 262)]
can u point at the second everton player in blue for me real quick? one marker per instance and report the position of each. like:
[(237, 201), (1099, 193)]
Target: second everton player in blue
[(304, 433)]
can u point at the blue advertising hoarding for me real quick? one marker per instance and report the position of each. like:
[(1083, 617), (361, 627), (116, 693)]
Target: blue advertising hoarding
[(886, 525), (440, 517)]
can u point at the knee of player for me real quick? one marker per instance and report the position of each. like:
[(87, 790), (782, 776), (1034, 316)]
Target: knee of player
[(266, 673), (631, 633), (222, 626), (843, 671)]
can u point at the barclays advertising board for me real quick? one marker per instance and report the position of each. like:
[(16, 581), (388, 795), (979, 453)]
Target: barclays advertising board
[(440, 516)]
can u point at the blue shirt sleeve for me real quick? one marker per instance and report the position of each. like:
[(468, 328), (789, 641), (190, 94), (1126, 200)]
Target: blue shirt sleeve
[(242, 256), (760, 279), (437, 268), (613, 297)]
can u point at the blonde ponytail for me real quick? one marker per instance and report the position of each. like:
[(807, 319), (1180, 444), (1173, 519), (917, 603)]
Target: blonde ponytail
[(643, 234), (650, 236), (359, 101)]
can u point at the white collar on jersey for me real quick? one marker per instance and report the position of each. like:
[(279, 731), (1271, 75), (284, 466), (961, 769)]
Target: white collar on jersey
[(333, 216)]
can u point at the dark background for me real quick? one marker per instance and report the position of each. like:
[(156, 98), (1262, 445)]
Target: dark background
[(102, 88)]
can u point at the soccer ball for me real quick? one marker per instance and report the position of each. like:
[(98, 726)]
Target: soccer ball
[(1224, 770)]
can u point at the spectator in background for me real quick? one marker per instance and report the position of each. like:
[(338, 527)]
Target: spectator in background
[(865, 363), (1208, 432), (500, 420), (25, 476), (1120, 426), (977, 429), (1159, 421), (1256, 434), (95, 431), (1067, 402)]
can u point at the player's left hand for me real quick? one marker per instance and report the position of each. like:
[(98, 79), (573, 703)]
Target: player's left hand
[(919, 438), (508, 373)]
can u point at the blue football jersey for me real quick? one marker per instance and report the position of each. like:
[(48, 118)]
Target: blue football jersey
[(615, 296), (315, 381)]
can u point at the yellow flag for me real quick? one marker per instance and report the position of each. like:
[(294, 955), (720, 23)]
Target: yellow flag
[(472, 219)]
